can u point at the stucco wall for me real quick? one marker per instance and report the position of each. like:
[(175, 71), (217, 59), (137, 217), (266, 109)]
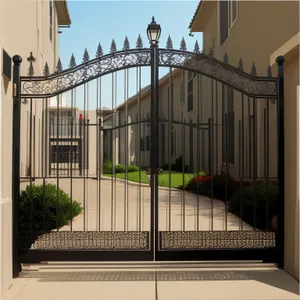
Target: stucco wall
[(24, 27)]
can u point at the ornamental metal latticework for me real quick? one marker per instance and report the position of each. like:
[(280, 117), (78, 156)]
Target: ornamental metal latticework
[(193, 240), (55, 84), (259, 87), (92, 240), (118, 60)]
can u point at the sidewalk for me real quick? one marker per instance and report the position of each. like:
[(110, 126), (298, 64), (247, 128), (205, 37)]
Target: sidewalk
[(187, 281)]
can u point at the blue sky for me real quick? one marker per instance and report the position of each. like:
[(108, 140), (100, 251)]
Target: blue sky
[(101, 21)]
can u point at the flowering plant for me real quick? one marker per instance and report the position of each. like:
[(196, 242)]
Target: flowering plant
[(201, 178)]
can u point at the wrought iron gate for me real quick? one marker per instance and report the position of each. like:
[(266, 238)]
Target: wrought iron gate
[(203, 121)]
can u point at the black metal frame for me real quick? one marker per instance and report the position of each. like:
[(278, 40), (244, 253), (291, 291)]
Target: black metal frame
[(55, 84)]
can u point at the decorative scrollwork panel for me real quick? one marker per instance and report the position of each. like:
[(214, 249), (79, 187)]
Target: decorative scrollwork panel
[(41, 87), (260, 87)]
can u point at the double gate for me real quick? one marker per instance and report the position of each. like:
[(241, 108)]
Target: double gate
[(160, 175)]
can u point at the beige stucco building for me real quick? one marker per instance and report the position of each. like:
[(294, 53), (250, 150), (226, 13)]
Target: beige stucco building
[(25, 26), (257, 32)]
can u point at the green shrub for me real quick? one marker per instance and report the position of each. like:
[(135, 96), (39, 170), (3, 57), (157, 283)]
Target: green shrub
[(133, 168), (47, 212), (120, 169), (218, 187), (107, 167), (259, 199)]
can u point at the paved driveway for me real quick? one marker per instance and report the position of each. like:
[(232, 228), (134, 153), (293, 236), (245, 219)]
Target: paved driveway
[(117, 205)]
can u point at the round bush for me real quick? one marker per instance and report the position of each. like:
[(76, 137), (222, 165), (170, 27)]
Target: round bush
[(133, 168), (120, 169), (107, 167), (260, 199), (49, 207)]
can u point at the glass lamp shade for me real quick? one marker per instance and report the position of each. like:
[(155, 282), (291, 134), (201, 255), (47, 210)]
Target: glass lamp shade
[(153, 32)]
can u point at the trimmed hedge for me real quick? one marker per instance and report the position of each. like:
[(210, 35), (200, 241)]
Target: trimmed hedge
[(177, 166), (50, 208), (257, 200), (108, 168)]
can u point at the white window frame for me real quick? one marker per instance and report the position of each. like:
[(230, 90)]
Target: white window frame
[(230, 10), (51, 19)]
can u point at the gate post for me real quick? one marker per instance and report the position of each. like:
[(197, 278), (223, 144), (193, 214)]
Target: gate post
[(16, 165), (280, 160)]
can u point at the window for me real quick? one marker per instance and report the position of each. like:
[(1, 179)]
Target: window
[(64, 154), (228, 125), (147, 143), (181, 93), (142, 144), (51, 19), (228, 15), (190, 90)]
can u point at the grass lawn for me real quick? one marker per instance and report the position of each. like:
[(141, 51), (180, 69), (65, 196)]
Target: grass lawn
[(163, 179)]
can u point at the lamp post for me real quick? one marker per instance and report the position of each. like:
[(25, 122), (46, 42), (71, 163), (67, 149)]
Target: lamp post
[(153, 33)]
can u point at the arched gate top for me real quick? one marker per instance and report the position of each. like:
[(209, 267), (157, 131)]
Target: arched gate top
[(57, 83)]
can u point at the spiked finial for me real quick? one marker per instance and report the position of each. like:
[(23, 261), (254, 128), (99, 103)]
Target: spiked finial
[(169, 43), (86, 56), (46, 71), (211, 52), (225, 58), (72, 63), (253, 70), (30, 69), (113, 47), (139, 42), (241, 67), (59, 66), (31, 59), (269, 72), (99, 52), (196, 47), (183, 45), (126, 45)]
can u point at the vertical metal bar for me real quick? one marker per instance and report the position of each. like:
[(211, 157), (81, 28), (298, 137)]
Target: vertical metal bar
[(254, 158), (128, 162), (183, 173), (101, 151), (170, 119), (280, 161), (210, 165), (243, 159), (198, 149), (217, 128), (71, 158), (16, 164), (125, 152), (267, 158), (84, 155), (115, 147), (212, 154), (250, 151), (43, 137), (265, 163), (154, 148), (138, 91), (47, 139), (113, 168), (228, 89), (30, 171), (57, 164)]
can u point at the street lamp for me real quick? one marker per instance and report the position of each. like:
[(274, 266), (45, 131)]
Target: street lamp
[(153, 32)]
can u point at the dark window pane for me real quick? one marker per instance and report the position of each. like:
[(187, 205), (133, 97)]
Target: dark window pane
[(233, 10), (223, 21), (190, 102), (190, 86)]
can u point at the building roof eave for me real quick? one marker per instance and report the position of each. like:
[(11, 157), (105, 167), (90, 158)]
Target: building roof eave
[(63, 14)]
